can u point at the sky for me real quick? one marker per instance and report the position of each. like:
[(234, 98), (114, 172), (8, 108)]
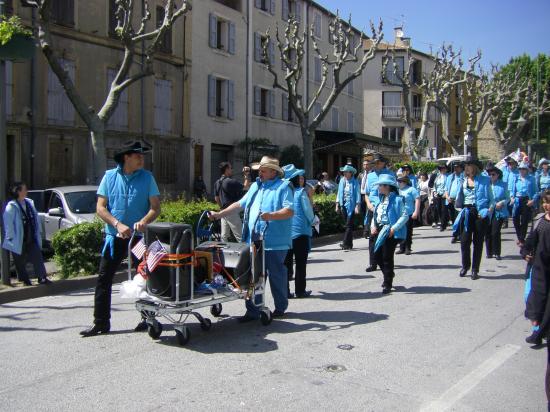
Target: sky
[(501, 29)]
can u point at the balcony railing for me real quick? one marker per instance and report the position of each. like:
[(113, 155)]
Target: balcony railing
[(417, 113), (392, 112)]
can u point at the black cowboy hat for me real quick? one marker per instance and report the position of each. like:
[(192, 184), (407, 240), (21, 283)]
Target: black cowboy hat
[(455, 163), (470, 160), (379, 158), (494, 169), (130, 147), (408, 167), (442, 165)]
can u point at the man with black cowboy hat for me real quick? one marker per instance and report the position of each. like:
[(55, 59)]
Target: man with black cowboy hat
[(127, 200)]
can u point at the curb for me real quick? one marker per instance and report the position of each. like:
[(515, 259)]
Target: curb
[(70, 285)]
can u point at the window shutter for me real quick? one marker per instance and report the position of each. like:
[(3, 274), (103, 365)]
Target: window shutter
[(317, 23), (257, 47), (211, 96), (257, 100), (67, 107), (272, 7), (213, 37), (9, 87), (230, 99), (298, 6), (157, 107), (284, 14), (350, 85), (231, 36), (271, 50), (285, 106), (272, 104), (69, 12)]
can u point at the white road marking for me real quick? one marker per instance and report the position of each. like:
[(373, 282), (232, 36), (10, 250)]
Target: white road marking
[(460, 389)]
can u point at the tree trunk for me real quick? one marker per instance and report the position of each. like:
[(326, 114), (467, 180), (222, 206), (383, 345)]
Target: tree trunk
[(99, 162), (445, 118), (308, 136)]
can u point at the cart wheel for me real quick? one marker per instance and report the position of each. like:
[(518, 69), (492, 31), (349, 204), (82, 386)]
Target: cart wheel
[(206, 324), (266, 317), (183, 335), (154, 330), (216, 310)]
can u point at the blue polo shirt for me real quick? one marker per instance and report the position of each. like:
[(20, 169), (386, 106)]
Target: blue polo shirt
[(127, 195), (269, 196), (409, 194)]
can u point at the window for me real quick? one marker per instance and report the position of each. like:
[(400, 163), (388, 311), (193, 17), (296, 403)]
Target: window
[(416, 72), (60, 109), (391, 105), (391, 77), (317, 25), (264, 102), (458, 115), (287, 113), (265, 5), (335, 119), (317, 74), (351, 122), (166, 165), (113, 21), (119, 118), (350, 85), (259, 42), (417, 106), (62, 12), (393, 134), (165, 45), (222, 34), (163, 106), (221, 97), (292, 8), (233, 4), (9, 89), (8, 7)]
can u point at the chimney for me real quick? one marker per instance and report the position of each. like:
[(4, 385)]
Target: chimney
[(399, 37), (406, 41)]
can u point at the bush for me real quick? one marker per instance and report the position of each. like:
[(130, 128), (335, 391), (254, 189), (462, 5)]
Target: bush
[(180, 211), (423, 167), (77, 249), (331, 222)]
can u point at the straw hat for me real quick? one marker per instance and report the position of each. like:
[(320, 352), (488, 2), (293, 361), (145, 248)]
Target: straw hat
[(269, 163)]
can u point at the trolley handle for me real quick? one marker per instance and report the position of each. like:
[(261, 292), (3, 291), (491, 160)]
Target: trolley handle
[(130, 243)]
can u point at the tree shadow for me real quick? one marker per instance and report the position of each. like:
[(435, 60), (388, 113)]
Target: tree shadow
[(313, 261), (504, 277), (512, 257), (428, 267), (429, 290), (19, 329), (435, 252), (418, 290), (342, 277)]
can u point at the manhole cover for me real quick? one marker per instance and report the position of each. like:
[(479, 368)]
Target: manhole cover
[(345, 347), (335, 368)]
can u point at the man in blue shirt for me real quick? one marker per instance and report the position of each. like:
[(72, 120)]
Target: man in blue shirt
[(268, 201), (128, 199)]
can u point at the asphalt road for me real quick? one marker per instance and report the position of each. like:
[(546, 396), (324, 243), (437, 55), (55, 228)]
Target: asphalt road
[(439, 342)]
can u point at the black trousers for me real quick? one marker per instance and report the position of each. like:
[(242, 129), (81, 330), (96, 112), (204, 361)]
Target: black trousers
[(31, 253), (348, 234), (384, 258), (477, 227), (299, 252), (406, 244), (523, 217), (107, 268), (441, 211), (493, 236)]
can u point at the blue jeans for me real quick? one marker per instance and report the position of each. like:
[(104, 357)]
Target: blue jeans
[(278, 279)]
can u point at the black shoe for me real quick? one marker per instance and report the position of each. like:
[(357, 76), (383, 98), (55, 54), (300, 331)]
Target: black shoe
[(291, 296), (306, 294), (141, 326), (278, 313), (534, 338), (490, 256), (371, 268), (246, 319), (45, 281), (291, 276), (400, 252), (95, 330), (497, 257), (386, 290), (463, 272), (27, 283), (475, 276), (407, 252), (442, 229), (454, 240)]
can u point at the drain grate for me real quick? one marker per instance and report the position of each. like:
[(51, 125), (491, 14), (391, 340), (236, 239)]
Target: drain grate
[(335, 368), (345, 346)]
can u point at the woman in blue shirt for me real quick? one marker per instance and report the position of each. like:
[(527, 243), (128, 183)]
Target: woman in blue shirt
[(390, 216), (476, 200), (301, 230), (412, 206), (501, 198), (523, 197), (348, 201)]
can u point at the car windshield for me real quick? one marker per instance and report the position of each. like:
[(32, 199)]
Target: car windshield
[(82, 202)]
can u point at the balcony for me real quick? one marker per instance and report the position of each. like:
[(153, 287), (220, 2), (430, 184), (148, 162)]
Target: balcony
[(417, 113), (393, 112)]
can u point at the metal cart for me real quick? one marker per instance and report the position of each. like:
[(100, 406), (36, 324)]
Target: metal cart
[(177, 311)]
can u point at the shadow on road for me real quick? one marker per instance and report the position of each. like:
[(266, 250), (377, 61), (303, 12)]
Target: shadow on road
[(435, 252), (342, 277), (420, 290), (425, 290), (427, 267), (504, 277), (310, 261)]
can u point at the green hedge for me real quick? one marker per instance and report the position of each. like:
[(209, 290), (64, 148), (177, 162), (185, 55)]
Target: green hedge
[(425, 167), (180, 211), (331, 222)]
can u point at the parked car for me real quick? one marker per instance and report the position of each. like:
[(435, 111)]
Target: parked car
[(62, 207)]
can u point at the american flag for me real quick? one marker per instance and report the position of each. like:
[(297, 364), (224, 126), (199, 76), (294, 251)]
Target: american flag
[(139, 249), (155, 253)]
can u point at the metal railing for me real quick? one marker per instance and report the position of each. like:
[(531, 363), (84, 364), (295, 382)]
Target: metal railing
[(392, 112)]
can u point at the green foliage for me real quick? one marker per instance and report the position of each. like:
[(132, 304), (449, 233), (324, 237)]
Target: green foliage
[(77, 249), (180, 211), (423, 167), (292, 154), (11, 26), (331, 222)]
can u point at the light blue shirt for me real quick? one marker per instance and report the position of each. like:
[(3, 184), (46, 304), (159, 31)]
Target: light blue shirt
[(544, 181), (13, 226), (410, 194), (303, 214), (439, 184), (469, 193)]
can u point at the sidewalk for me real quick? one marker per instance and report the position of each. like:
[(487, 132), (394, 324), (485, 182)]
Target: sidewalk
[(16, 293)]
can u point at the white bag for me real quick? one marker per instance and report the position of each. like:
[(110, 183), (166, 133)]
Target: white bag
[(133, 289)]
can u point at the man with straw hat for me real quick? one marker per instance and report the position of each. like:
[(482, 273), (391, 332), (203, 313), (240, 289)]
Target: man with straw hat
[(268, 209)]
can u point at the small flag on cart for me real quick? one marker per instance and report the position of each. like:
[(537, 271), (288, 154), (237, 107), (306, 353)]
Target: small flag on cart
[(139, 249), (155, 253)]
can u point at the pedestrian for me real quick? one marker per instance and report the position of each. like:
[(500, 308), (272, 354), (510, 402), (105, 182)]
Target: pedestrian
[(326, 185), (476, 200), (348, 202), (543, 177), (364, 210), (537, 251), (522, 197), (268, 200), (380, 169), (388, 227), (199, 188), (23, 235), (411, 199), (496, 220), (439, 197), (127, 200), (226, 192), (453, 182), (301, 230), (424, 190), (510, 173), (407, 170)]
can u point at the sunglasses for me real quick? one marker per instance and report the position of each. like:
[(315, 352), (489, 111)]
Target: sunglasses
[(384, 185)]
